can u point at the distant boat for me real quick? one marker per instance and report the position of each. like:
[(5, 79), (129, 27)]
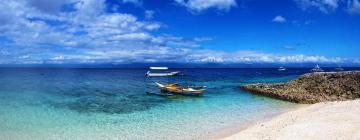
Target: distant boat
[(317, 69), (149, 73), (339, 68), (281, 69)]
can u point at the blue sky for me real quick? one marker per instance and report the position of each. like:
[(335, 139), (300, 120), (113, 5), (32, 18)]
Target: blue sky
[(179, 31)]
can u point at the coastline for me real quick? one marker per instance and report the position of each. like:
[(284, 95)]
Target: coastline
[(325, 120), (312, 88), (234, 129)]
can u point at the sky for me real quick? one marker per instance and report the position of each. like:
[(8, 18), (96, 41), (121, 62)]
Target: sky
[(179, 31)]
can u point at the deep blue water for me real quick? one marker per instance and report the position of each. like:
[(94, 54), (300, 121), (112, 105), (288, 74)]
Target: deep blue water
[(58, 103)]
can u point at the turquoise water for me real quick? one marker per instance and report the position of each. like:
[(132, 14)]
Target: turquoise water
[(112, 104)]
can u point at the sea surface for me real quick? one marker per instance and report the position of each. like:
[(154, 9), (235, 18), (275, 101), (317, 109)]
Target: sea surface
[(55, 103)]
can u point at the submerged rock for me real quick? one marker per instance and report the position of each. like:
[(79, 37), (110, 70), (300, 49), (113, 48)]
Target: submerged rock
[(313, 87)]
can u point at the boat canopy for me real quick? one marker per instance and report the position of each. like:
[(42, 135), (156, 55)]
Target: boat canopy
[(159, 68)]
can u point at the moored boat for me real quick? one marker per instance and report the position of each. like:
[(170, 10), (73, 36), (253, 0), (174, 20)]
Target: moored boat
[(339, 68), (149, 73), (182, 90), (317, 69), (281, 69)]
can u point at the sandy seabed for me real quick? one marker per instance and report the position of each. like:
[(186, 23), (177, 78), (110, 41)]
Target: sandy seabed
[(321, 121)]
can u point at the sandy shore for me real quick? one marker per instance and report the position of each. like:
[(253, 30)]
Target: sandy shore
[(327, 120)]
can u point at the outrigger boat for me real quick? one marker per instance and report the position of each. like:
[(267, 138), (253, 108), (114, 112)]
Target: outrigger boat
[(148, 73), (182, 90)]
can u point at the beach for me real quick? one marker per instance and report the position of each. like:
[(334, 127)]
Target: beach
[(337, 120), (179, 69)]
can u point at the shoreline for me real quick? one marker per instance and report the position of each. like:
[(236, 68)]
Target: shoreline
[(325, 120), (234, 129)]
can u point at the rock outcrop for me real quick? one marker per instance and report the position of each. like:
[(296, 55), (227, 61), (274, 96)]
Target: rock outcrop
[(313, 87)]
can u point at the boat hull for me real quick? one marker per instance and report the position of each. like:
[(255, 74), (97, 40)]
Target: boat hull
[(159, 94), (183, 93), (187, 91), (163, 74)]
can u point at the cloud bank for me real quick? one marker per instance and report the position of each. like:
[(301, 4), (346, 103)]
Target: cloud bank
[(200, 5), (81, 31), (328, 6), (354, 6)]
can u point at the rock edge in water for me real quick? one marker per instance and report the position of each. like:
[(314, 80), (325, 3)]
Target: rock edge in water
[(313, 87)]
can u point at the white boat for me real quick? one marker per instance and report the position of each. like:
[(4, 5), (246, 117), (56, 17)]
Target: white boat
[(281, 69), (149, 73), (339, 68), (317, 69)]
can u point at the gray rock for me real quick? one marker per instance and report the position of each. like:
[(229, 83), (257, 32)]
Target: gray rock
[(313, 87)]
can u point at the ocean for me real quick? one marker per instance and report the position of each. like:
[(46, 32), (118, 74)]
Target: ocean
[(95, 103)]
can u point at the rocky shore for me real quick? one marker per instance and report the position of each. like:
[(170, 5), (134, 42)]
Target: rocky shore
[(313, 87)]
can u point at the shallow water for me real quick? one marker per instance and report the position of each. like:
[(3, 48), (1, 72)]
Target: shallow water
[(112, 104)]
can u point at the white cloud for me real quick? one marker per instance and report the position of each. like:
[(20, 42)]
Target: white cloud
[(24, 57), (328, 6), (200, 39), (325, 6), (53, 6), (60, 57), (279, 19), (354, 6), (132, 36), (86, 34), (149, 14), (88, 19), (200, 5), (255, 57), (136, 2), (152, 26)]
